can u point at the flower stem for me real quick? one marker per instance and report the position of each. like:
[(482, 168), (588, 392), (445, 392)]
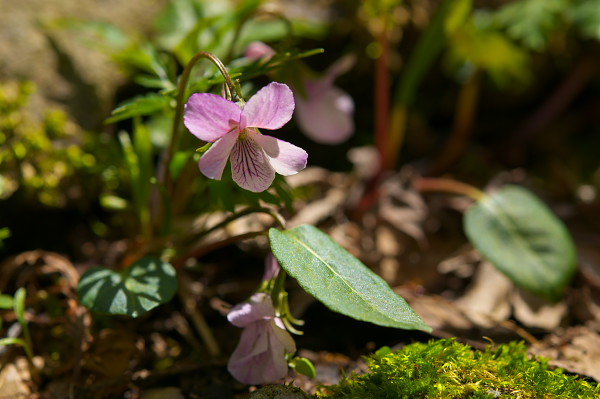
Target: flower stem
[(181, 97), (382, 96), (248, 211), (190, 305), (466, 109), (448, 185), (257, 14), (203, 250)]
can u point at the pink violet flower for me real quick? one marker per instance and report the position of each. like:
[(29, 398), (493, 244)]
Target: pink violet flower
[(233, 130), (324, 112), (259, 357)]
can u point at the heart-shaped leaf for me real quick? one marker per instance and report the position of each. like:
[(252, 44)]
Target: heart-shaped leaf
[(339, 280), (524, 240), (146, 284)]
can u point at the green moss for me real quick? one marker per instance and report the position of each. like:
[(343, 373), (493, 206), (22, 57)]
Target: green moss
[(448, 369)]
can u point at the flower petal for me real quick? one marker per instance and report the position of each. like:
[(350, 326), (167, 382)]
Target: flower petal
[(250, 165), (214, 160), (285, 158), (259, 357), (209, 117), (340, 67), (326, 116), (272, 267), (280, 336), (259, 307), (270, 108)]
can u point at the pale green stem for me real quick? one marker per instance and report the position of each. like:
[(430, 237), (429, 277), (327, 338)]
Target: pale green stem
[(231, 88)]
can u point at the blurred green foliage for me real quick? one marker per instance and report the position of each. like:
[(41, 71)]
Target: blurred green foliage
[(534, 23), (38, 153)]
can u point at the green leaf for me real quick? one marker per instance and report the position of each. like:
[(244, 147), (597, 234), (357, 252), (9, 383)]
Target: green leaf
[(6, 302), (532, 21), (153, 82), (113, 202), (491, 51), (524, 240), (304, 366), (142, 145), (146, 284), (585, 15), (140, 105), (4, 231), (19, 306), (97, 34), (12, 341), (179, 161), (429, 46), (145, 56), (176, 20), (339, 280)]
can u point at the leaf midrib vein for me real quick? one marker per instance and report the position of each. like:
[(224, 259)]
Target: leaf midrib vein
[(316, 255)]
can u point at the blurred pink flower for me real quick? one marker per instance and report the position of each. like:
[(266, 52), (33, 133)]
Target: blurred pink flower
[(254, 157), (258, 50), (324, 112), (259, 357)]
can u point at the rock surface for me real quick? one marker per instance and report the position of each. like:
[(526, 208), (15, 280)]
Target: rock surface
[(66, 71)]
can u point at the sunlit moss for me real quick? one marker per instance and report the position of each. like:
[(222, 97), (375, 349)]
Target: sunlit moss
[(448, 369)]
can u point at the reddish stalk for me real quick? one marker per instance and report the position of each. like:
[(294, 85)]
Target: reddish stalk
[(449, 186), (382, 121)]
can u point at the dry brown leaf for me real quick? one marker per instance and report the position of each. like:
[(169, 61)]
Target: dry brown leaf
[(317, 211), (438, 312), (12, 384), (112, 353), (27, 265), (576, 349), (487, 299), (586, 303), (462, 264), (365, 160), (533, 311)]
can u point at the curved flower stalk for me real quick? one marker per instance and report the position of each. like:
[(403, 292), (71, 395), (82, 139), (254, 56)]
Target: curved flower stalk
[(260, 356), (324, 112), (233, 130)]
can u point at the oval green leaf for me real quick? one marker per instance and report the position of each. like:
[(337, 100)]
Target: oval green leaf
[(304, 366), (146, 284), (339, 280), (515, 231)]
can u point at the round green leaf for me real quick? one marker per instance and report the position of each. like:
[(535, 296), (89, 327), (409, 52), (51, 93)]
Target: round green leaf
[(146, 284), (339, 280), (524, 240)]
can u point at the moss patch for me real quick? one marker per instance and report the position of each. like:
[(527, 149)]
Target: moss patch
[(448, 369)]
